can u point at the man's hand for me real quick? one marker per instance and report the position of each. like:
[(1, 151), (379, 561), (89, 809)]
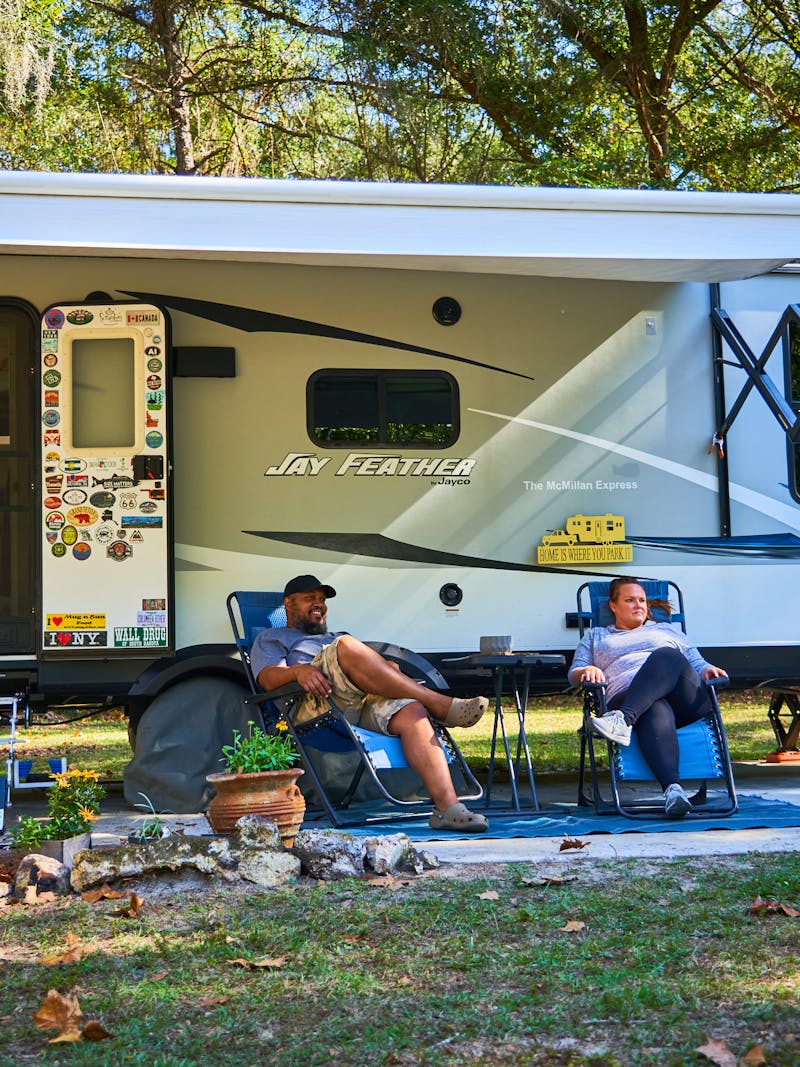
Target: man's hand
[(312, 680), (711, 671)]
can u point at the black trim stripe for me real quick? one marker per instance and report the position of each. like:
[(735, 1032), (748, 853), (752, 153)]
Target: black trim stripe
[(252, 321)]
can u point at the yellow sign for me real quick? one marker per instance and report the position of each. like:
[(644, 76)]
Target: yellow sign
[(587, 539), (73, 621)]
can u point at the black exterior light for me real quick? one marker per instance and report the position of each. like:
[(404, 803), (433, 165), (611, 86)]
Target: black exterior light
[(447, 311), (450, 594)]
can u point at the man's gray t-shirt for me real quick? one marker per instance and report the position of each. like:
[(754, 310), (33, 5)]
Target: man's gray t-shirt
[(285, 646)]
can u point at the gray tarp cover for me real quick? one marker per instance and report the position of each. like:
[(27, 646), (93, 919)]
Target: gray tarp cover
[(179, 740)]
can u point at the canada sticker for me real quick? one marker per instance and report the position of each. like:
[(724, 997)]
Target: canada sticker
[(83, 515), (142, 318)]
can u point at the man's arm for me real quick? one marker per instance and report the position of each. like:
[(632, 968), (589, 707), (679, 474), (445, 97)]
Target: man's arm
[(306, 676)]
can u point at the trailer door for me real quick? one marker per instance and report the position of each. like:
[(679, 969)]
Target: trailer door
[(106, 537), (18, 557)]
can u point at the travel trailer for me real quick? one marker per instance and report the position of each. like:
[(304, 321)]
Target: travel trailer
[(410, 391)]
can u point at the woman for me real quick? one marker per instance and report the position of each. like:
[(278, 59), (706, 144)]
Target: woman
[(653, 679)]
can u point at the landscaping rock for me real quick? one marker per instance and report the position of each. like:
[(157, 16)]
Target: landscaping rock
[(387, 854), (48, 874), (330, 854), (255, 854)]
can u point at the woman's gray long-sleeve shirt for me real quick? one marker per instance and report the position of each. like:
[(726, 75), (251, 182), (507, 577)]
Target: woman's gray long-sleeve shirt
[(620, 653)]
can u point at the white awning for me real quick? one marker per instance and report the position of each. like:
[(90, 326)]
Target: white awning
[(636, 235)]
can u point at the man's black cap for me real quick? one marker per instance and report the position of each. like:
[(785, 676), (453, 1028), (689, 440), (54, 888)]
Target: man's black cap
[(307, 583)]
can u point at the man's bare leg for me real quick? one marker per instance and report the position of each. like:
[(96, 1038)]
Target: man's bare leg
[(424, 753), (371, 673)]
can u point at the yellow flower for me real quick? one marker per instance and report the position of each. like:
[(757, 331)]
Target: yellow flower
[(281, 724), (87, 814)]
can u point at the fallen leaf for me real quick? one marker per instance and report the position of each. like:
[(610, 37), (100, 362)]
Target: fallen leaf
[(754, 1057), (210, 1002), (94, 1031), (386, 881), (405, 980), (573, 926), (60, 1013), (73, 953), (267, 962), (44, 898), (490, 894), (351, 938), (133, 907), (160, 976), (105, 892), (718, 1052), (573, 842), (773, 907)]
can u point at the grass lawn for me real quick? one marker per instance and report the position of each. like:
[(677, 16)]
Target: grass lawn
[(101, 743), (450, 969)]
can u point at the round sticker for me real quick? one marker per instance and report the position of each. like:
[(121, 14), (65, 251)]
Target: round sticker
[(82, 516), (154, 365), (119, 550), (54, 521), (51, 378), (52, 457), (153, 381), (154, 439), (51, 418), (58, 549), (156, 338), (81, 550), (105, 534), (80, 317), (152, 350), (69, 535), (50, 360), (73, 466), (54, 318), (52, 502), (74, 496), (102, 499), (148, 507)]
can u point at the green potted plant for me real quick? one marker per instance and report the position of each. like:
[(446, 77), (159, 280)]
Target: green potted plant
[(259, 779), (72, 803)]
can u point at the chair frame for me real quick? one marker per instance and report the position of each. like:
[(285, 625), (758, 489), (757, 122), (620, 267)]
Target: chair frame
[(626, 764), (277, 706)]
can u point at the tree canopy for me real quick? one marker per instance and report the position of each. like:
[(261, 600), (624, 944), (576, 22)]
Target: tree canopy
[(701, 94)]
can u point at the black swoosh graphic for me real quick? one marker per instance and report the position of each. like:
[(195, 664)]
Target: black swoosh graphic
[(252, 321)]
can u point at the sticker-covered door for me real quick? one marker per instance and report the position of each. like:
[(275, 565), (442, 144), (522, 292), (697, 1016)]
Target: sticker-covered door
[(106, 539)]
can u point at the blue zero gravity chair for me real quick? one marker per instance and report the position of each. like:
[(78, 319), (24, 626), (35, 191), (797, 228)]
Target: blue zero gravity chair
[(346, 764), (703, 746)]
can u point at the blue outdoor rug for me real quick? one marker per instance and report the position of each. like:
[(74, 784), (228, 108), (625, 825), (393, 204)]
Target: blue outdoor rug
[(570, 821)]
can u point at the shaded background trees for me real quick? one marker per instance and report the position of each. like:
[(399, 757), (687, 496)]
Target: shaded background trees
[(682, 94)]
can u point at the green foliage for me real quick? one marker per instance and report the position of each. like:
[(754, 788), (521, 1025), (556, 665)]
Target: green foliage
[(258, 752), (72, 803)]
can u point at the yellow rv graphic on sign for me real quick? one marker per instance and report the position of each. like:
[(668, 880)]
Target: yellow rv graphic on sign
[(587, 539)]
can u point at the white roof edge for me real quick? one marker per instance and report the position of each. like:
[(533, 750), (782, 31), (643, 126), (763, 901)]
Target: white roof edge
[(264, 190)]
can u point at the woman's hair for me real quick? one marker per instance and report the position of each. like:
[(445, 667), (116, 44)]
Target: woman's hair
[(658, 603), (616, 583)]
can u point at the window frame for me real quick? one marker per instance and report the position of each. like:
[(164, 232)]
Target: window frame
[(381, 376), (792, 449)]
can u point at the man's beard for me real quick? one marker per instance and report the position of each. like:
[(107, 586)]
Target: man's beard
[(309, 627)]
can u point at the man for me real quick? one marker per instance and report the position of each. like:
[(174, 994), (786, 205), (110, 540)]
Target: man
[(370, 690)]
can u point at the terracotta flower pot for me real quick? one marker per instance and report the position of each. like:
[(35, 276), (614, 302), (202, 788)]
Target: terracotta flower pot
[(273, 794)]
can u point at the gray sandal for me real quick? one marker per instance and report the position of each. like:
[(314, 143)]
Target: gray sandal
[(466, 712), (458, 817)]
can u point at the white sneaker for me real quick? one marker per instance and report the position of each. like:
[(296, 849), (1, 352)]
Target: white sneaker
[(613, 727), (676, 802)]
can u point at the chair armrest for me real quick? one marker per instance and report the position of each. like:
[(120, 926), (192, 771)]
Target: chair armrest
[(290, 690), (717, 683)]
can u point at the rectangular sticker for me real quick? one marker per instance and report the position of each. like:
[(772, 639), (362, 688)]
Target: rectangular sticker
[(140, 637), (75, 639), (151, 618), (73, 621)]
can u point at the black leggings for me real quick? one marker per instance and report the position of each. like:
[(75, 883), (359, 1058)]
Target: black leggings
[(665, 694)]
